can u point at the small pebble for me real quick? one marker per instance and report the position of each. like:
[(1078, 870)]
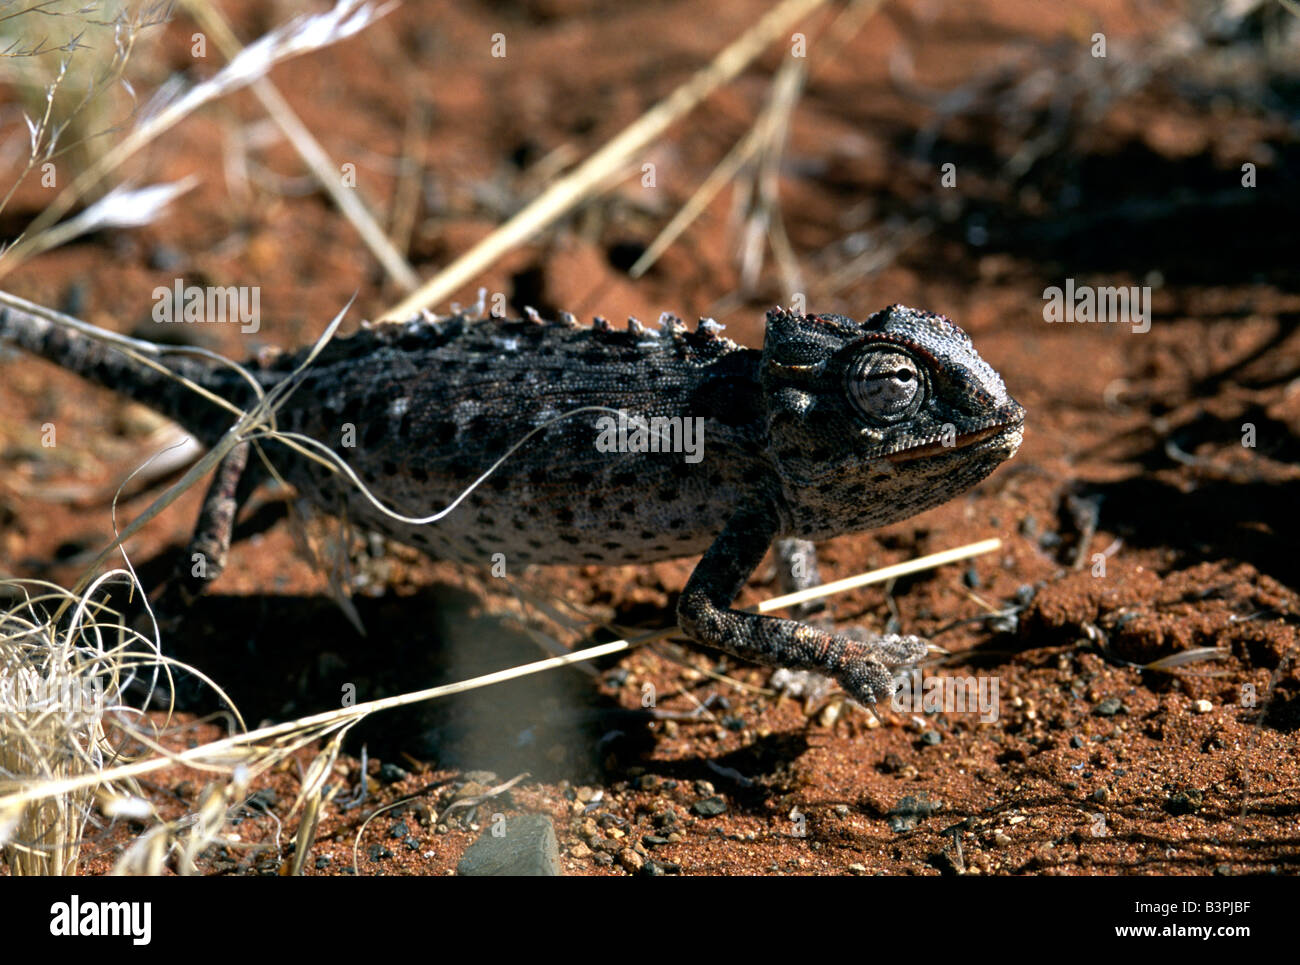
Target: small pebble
[(1184, 802), (630, 861), (710, 807)]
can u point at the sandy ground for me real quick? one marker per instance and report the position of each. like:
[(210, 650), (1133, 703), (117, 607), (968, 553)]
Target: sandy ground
[(1136, 525)]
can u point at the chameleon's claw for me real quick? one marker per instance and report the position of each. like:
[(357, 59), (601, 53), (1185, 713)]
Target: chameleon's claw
[(871, 707)]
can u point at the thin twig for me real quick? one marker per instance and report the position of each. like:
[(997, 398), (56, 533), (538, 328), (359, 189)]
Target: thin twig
[(570, 190), (348, 200), (319, 725)]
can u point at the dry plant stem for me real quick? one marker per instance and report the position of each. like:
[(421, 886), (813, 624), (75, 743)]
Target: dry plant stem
[(348, 200), (406, 196), (168, 117), (304, 729), (785, 92), (573, 188)]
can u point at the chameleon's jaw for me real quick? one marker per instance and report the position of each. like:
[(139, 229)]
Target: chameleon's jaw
[(1002, 434)]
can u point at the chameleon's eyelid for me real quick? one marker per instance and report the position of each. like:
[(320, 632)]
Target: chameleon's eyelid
[(793, 369)]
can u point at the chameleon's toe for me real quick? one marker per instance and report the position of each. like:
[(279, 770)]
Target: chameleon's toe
[(868, 667)]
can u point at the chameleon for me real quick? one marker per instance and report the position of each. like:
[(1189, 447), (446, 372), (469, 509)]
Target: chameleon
[(620, 445)]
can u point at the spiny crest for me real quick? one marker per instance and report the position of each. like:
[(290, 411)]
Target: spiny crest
[(427, 331)]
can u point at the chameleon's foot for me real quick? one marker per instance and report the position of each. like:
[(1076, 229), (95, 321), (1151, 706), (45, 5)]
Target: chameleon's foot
[(893, 656), (867, 663)]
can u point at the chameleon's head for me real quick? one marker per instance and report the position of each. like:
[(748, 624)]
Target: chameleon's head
[(873, 421)]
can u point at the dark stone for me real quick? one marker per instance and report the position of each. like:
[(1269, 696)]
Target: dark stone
[(1184, 802), (710, 807), (527, 847)]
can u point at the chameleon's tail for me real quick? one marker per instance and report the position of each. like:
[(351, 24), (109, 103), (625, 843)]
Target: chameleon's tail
[(147, 376)]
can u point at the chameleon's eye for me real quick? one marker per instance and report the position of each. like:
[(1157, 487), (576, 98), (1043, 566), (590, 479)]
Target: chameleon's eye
[(886, 386)]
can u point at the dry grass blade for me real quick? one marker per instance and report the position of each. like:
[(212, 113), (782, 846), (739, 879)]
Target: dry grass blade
[(311, 798), (348, 200), (1195, 655), (261, 747), (573, 188), (765, 137), (785, 89), (298, 36), (55, 690)]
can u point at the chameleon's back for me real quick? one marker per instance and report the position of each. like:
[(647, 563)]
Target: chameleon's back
[(422, 410)]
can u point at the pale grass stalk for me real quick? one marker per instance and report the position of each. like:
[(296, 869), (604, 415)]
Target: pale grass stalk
[(785, 92), (348, 200), (292, 735), (298, 36), (574, 188)]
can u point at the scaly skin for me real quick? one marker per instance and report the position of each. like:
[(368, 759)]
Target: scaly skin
[(836, 426)]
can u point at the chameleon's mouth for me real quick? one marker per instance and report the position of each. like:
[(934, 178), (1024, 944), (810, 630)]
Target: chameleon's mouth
[(1005, 434)]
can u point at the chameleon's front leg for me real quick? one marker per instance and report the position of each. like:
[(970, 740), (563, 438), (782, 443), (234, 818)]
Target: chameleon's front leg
[(862, 667)]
